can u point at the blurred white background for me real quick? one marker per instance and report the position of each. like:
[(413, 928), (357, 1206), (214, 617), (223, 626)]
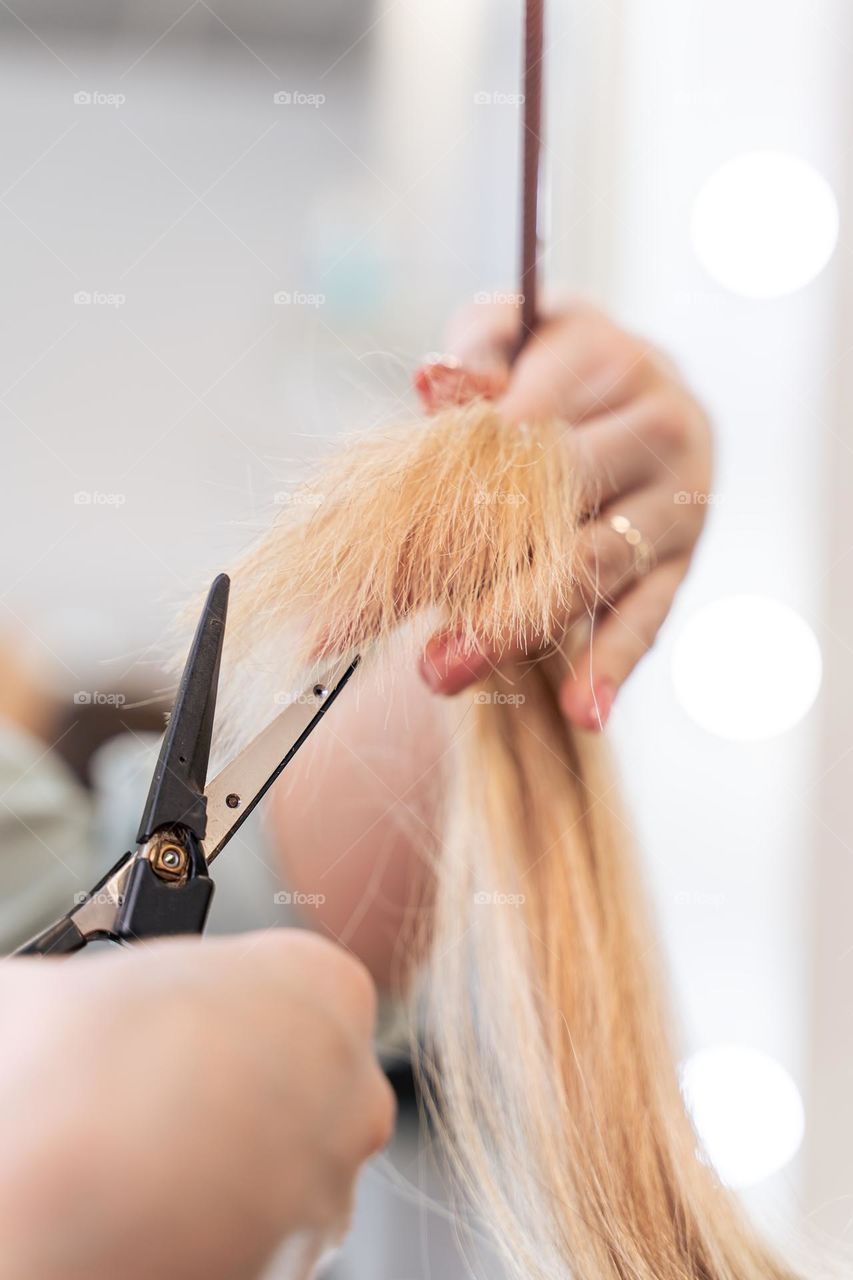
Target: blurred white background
[(147, 166)]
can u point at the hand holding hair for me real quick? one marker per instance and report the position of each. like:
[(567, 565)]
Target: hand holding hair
[(643, 448), (548, 1059)]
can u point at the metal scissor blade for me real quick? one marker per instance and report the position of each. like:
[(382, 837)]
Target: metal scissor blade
[(176, 796), (233, 793), (97, 914)]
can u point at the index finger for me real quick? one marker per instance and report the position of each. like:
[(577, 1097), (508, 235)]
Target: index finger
[(577, 364), (574, 366)]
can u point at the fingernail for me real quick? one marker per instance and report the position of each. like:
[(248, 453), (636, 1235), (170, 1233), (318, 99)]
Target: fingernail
[(442, 381), (433, 377), (603, 694), (448, 667)]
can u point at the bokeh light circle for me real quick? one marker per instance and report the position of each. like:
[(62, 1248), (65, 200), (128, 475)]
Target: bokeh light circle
[(765, 224), (746, 1110), (746, 667)]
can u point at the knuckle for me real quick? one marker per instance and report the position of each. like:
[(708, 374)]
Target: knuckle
[(361, 992), (613, 357), (331, 1200), (666, 422), (605, 558), (690, 510), (587, 479), (301, 947), (608, 336), (356, 985), (646, 627), (696, 516), (341, 974), (368, 1125), (381, 1114)]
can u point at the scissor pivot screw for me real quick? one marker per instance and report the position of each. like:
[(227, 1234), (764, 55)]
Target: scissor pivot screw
[(170, 861), (232, 800)]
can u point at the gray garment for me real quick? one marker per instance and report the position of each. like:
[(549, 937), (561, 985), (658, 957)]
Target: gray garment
[(46, 836)]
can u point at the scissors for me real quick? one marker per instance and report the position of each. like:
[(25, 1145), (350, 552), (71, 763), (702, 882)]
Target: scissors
[(163, 887)]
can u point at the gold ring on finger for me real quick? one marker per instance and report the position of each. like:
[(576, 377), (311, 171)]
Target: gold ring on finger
[(643, 551)]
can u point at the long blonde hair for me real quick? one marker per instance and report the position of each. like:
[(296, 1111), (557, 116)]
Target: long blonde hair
[(548, 1052)]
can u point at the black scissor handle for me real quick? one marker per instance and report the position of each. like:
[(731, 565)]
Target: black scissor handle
[(140, 903)]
